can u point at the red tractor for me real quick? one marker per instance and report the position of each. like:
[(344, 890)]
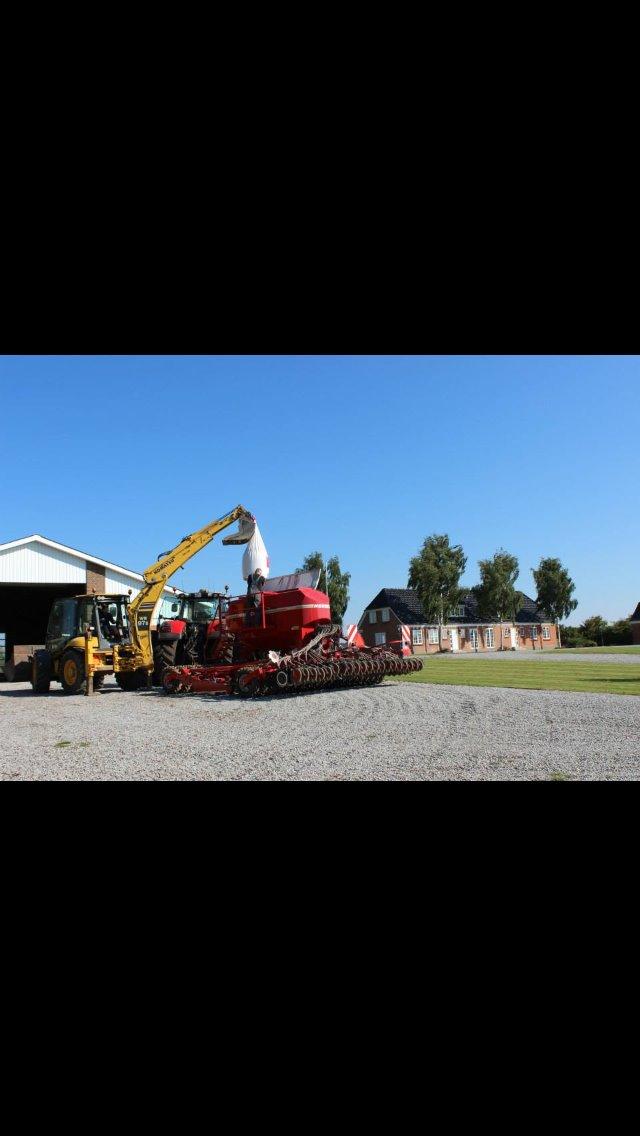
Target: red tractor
[(181, 635), (277, 641)]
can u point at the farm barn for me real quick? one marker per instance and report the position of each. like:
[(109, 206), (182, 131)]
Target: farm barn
[(35, 571)]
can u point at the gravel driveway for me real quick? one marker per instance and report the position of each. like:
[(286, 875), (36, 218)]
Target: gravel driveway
[(397, 731)]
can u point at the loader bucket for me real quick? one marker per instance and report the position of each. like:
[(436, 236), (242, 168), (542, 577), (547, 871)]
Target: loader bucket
[(246, 529)]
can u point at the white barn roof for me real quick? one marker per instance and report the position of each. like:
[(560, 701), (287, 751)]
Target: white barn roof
[(37, 560)]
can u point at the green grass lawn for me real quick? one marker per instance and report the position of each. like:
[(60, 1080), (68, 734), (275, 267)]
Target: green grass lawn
[(599, 651), (601, 678)]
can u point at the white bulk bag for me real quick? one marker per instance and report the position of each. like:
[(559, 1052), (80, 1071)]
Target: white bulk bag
[(255, 557)]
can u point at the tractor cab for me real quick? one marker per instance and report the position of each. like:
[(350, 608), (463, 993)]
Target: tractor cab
[(197, 607)]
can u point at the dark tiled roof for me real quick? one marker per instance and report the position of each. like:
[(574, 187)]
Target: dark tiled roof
[(635, 618), (406, 605), (403, 601)]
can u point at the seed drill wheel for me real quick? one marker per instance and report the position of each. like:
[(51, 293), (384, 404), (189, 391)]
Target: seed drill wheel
[(72, 673), (171, 683), (247, 684)]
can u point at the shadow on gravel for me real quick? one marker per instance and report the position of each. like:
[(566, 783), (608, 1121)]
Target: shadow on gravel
[(259, 698), (58, 694)]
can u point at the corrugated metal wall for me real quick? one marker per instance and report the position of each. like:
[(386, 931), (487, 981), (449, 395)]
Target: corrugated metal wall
[(37, 564), (118, 582)]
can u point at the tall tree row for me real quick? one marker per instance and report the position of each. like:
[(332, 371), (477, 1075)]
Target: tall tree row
[(436, 571)]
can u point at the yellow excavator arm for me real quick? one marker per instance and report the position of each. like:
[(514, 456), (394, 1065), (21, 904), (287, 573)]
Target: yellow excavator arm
[(156, 576)]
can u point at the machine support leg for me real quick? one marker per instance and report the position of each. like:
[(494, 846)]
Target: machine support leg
[(88, 664)]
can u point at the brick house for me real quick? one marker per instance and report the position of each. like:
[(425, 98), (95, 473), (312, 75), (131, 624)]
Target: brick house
[(382, 621), (635, 626)]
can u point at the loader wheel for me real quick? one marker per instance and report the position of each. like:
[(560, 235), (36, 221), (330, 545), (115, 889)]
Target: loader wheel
[(72, 674), (41, 672), (163, 656), (131, 680)]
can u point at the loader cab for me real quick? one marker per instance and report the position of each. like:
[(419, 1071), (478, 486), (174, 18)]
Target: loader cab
[(106, 616)]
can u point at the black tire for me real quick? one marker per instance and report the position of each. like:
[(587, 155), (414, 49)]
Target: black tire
[(131, 680), (247, 684), (98, 681), (41, 672), (72, 672), (163, 656)]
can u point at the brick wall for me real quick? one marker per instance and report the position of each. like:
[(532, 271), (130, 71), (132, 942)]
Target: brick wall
[(95, 578), (391, 628), (526, 641)]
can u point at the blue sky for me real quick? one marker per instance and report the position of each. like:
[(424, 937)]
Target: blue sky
[(360, 456)]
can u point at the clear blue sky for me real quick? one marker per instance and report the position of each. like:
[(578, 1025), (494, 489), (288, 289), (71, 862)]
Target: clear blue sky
[(359, 456)]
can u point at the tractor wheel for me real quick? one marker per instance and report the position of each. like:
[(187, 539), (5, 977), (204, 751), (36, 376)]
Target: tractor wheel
[(131, 680), (163, 656), (41, 672), (72, 675)]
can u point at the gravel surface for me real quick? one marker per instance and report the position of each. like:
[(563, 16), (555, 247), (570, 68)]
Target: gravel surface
[(397, 732)]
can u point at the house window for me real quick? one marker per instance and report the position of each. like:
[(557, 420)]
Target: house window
[(416, 633), (461, 611), (445, 633), (488, 637), (433, 634), (373, 616), (546, 633), (384, 615), (473, 635), (507, 632), (534, 632), (381, 638)]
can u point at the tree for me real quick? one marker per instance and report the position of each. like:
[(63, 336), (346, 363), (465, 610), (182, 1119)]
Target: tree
[(337, 586), (497, 596), (435, 574), (572, 636), (595, 627), (555, 590), (619, 633)]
